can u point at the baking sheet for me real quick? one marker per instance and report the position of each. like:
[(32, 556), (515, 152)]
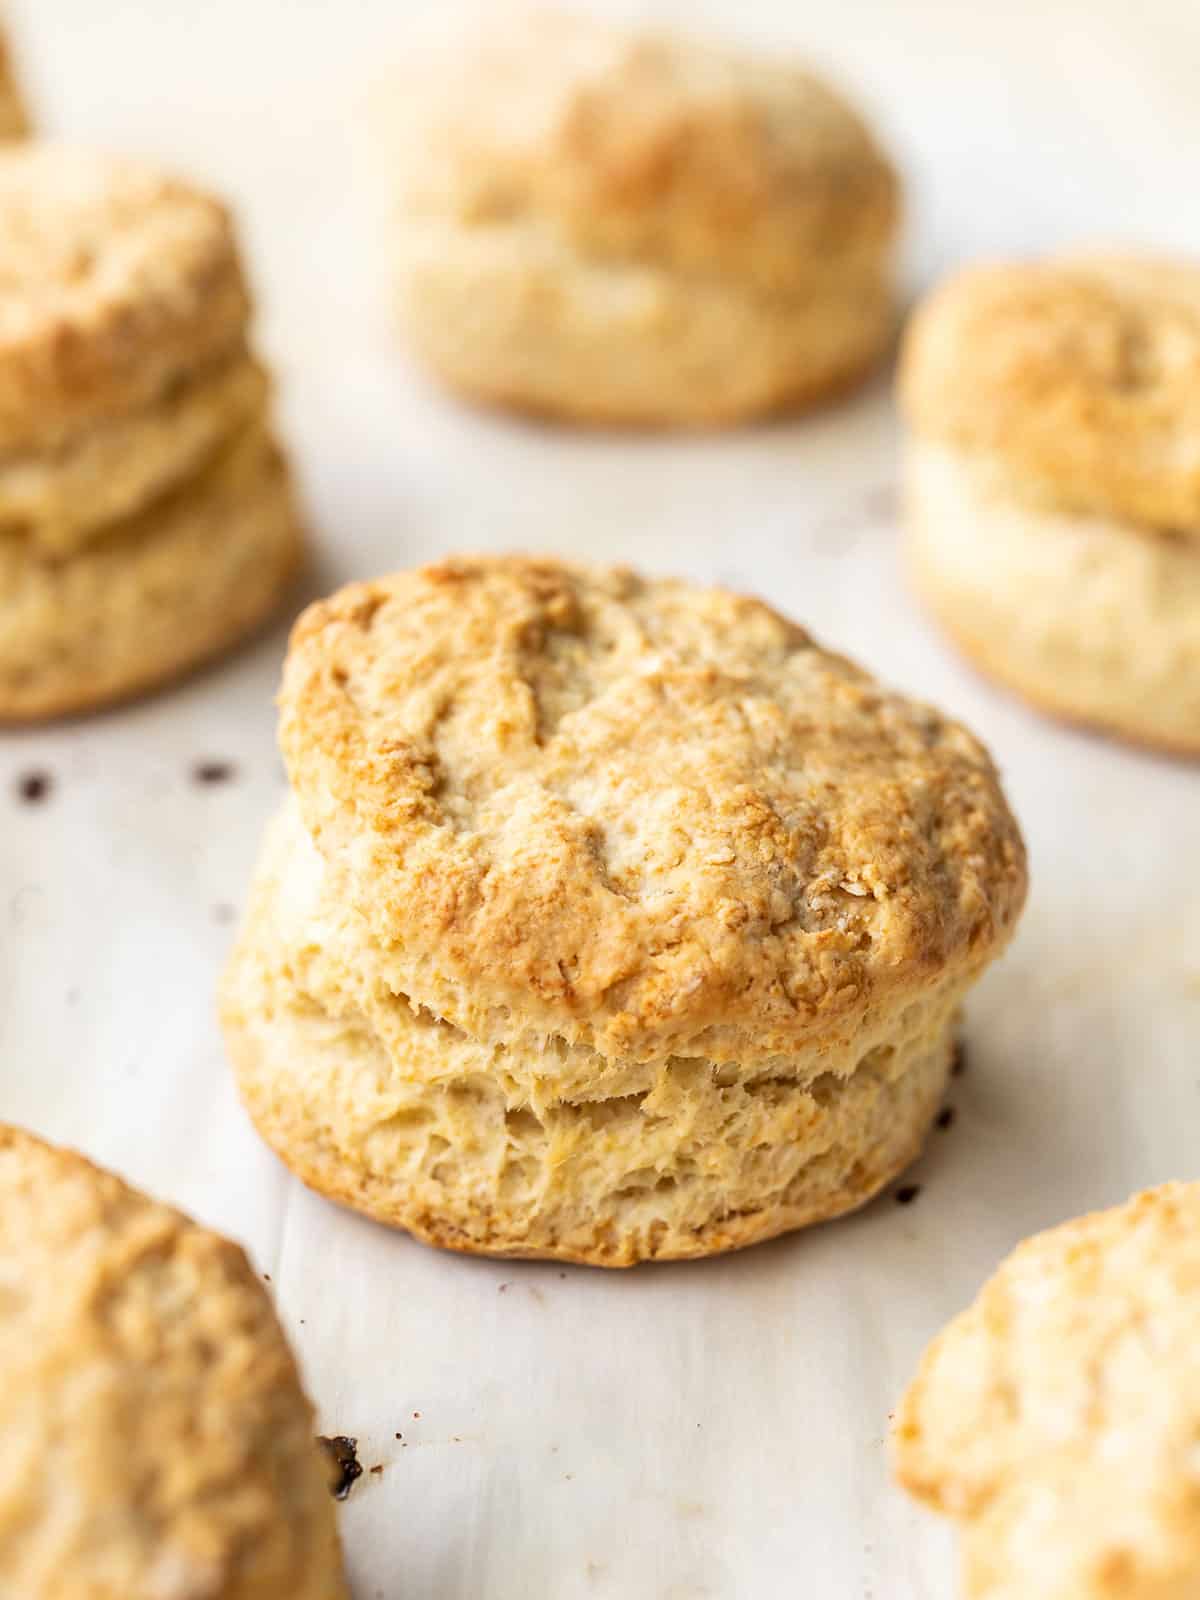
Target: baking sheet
[(714, 1429)]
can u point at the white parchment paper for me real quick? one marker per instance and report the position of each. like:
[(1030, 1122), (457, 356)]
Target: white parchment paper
[(707, 1430)]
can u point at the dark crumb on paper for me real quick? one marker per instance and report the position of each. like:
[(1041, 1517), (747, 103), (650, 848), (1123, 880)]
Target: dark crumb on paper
[(417, 1415), (343, 1452), (208, 772), (945, 1118), (223, 913), (958, 1062), (266, 1277), (503, 1288), (34, 787), (562, 1274), (377, 1469), (906, 1195)]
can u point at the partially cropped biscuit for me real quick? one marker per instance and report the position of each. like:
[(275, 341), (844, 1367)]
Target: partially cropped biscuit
[(609, 918), (1058, 1418), (126, 387), (637, 228), (157, 1442), (14, 122), (1053, 484)]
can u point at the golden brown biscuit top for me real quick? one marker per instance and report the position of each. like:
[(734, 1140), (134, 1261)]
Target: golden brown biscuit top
[(1060, 1414), (115, 282), (638, 815), (156, 1439), (1083, 375), (645, 146)]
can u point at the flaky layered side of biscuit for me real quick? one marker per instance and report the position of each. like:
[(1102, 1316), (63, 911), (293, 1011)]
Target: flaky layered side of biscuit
[(157, 1438), (536, 1150), (145, 518), (611, 918), (1057, 1418), (665, 232), (1053, 485)]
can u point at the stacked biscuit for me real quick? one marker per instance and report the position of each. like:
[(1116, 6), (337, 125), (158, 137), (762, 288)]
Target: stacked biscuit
[(616, 226), (1054, 484), (1058, 1418), (157, 1442), (609, 918), (146, 518)]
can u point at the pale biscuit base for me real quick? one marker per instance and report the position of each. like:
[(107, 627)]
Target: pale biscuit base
[(61, 500), (1058, 1417), (509, 1152), (511, 315), (1094, 619), (158, 1444), (156, 596)]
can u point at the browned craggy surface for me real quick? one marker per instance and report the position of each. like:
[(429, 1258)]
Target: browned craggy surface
[(1057, 1417), (157, 1442)]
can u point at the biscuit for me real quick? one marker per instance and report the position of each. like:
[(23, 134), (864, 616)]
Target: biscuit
[(611, 918), (667, 233), (1057, 1418), (14, 122), (159, 594), (132, 417), (1053, 485), (157, 1439)]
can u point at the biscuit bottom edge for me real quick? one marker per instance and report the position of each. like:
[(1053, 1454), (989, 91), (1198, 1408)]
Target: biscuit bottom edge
[(694, 1166), (1091, 620), (158, 596), (514, 318)]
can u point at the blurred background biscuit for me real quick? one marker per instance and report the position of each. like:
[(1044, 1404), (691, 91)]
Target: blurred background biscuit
[(1053, 484), (127, 392), (634, 227), (14, 120)]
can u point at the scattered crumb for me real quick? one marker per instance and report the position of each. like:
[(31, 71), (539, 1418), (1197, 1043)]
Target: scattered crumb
[(209, 772), (502, 1288), (945, 1118), (958, 1063), (34, 787), (266, 1277), (417, 1415), (376, 1470), (343, 1453), (399, 1436), (906, 1195)]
